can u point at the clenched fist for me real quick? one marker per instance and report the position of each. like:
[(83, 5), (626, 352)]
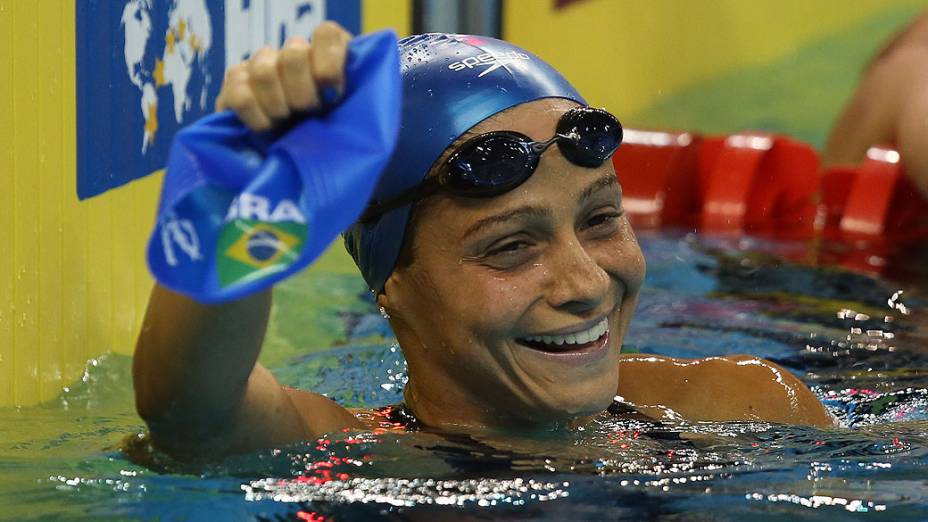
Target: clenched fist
[(274, 85)]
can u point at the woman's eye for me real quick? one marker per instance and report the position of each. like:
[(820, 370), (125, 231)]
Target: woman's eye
[(510, 255), (507, 248), (602, 219)]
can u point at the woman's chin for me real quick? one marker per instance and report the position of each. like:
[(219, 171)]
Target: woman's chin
[(573, 407), (569, 404)]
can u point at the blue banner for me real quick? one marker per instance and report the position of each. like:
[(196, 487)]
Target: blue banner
[(146, 68)]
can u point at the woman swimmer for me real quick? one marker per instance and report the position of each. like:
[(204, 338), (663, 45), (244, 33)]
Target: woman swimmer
[(510, 307)]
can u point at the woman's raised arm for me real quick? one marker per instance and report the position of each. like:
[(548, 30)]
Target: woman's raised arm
[(197, 381)]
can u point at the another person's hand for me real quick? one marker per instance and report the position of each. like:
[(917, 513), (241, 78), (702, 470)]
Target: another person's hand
[(274, 85)]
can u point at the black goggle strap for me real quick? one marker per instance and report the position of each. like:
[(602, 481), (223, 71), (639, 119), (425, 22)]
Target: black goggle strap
[(420, 191)]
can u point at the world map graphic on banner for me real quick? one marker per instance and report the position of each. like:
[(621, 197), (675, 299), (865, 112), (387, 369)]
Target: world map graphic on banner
[(187, 41), (146, 68)]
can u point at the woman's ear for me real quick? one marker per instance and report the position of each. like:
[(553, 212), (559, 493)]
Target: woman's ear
[(384, 302), (389, 298)]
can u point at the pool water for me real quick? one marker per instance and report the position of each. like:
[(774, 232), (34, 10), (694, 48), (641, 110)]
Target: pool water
[(860, 342)]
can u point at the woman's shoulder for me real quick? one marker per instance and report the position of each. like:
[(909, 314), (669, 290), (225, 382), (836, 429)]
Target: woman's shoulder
[(723, 388)]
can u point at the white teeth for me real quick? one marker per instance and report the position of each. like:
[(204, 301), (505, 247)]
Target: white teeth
[(583, 337)]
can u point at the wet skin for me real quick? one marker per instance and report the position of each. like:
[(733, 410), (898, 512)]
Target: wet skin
[(553, 257)]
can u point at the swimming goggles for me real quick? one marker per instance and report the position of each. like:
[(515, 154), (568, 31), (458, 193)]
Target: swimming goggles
[(496, 162)]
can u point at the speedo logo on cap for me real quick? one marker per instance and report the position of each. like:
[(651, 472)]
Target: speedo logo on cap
[(491, 60)]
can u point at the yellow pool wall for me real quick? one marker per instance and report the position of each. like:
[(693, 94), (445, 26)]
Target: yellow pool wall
[(626, 54)]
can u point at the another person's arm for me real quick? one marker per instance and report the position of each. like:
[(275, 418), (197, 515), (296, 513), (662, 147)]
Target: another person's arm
[(730, 388), (197, 381), (890, 106)]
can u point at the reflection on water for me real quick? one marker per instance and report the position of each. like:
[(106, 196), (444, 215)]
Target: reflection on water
[(860, 342)]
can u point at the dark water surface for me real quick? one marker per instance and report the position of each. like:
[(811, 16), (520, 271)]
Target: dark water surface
[(860, 343)]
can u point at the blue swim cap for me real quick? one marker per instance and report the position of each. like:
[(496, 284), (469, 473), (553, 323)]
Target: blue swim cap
[(450, 83)]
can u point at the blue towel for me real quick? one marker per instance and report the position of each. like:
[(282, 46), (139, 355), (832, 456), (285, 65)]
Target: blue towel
[(239, 211)]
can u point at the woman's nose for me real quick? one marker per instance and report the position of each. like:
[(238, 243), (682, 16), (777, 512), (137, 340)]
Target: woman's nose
[(577, 283)]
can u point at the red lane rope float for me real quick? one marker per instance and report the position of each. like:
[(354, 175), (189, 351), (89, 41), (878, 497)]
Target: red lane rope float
[(759, 183), (659, 176), (745, 182), (836, 187), (874, 208), (770, 184), (882, 202)]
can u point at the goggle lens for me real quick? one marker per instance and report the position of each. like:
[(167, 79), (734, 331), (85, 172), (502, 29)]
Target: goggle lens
[(490, 165), (596, 136)]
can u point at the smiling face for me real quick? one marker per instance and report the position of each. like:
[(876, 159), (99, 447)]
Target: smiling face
[(513, 310)]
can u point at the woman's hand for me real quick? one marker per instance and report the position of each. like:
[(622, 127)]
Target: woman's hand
[(273, 85)]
